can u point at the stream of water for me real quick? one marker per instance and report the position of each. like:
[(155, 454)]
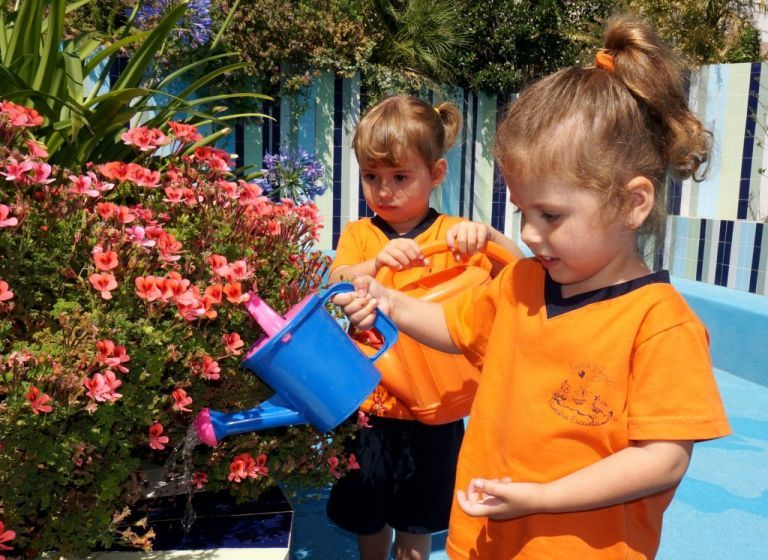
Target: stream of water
[(183, 453)]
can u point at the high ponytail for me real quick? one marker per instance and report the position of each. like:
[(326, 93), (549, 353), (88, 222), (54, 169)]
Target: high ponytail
[(451, 118), (653, 74), (402, 124)]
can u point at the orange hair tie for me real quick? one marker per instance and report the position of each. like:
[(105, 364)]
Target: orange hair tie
[(605, 60)]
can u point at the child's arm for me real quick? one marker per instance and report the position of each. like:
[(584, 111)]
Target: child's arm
[(421, 320), (397, 254), (644, 468), (466, 238)]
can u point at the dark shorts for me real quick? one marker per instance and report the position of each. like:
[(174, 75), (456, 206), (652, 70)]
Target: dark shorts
[(406, 478)]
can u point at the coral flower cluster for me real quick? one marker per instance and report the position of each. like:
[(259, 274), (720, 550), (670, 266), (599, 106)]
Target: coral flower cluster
[(121, 316)]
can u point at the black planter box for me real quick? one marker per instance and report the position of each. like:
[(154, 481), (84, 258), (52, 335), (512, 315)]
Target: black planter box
[(220, 523)]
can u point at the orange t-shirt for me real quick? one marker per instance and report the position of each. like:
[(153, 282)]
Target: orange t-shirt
[(564, 383), (364, 239)]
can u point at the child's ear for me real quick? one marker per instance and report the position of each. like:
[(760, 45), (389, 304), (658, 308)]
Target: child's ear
[(641, 197), (438, 172)]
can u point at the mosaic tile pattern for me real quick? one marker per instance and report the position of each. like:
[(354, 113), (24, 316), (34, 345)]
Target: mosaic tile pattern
[(716, 230)]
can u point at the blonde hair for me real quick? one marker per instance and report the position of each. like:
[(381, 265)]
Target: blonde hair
[(599, 127), (401, 124)]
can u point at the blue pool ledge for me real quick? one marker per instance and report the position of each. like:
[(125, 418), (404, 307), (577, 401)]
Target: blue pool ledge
[(720, 511), (738, 326)]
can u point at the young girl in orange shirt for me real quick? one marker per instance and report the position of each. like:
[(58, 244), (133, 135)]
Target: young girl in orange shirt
[(596, 378), (405, 482)]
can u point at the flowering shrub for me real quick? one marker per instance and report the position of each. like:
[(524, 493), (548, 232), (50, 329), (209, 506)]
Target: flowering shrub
[(121, 316), (295, 175)]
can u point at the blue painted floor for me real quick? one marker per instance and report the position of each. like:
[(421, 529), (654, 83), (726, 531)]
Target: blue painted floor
[(720, 511)]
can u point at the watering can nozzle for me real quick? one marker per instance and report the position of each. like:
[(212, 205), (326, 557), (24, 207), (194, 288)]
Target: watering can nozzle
[(211, 426), (204, 428)]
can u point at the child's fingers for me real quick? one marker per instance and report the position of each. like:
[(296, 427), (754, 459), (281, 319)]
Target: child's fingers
[(409, 253), (363, 318), (342, 300), (362, 284)]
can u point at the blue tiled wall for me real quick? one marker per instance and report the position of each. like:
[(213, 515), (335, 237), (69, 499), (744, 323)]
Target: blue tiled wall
[(716, 231)]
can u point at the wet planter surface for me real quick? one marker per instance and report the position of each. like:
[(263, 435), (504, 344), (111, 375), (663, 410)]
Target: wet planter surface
[(221, 523)]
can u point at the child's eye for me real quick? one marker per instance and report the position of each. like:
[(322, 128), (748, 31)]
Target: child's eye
[(549, 218), (400, 178), (369, 177)]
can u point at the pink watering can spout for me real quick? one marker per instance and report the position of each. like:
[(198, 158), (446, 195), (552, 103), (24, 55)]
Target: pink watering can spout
[(268, 319), (318, 374)]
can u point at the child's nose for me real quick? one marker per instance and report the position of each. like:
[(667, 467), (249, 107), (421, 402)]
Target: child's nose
[(385, 191), (529, 234)]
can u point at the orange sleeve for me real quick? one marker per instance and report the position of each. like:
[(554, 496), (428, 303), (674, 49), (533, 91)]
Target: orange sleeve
[(673, 392), (349, 250)]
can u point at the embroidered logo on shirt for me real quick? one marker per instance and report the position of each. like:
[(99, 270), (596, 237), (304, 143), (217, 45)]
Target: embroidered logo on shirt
[(578, 397)]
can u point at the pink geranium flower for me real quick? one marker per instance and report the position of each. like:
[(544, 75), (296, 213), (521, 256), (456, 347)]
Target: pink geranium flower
[(106, 210), (41, 174), (105, 260), (245, 466), (234, 293), (156, 439), (333, 466), (207, 368), (352, 463), (38, 401), (5, 293), (6, 536), (214, 293), (15, 171), (104, 283), (147, 288), (174, 195), (145, 139), (219, 265), (115, 170), (125, 215), (112, 356), (5, 221), (239, 270), (215, 158), (83, 184), (199, 479), (233, 343), (181, 400), (142, 176), (20, 116), (185, 132), (36, 149), (251, 195), (101, 387)]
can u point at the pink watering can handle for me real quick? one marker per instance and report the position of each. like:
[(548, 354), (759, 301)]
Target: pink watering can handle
[(268, 319)]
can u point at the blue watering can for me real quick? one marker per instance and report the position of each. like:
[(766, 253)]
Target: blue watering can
[(318, 374)]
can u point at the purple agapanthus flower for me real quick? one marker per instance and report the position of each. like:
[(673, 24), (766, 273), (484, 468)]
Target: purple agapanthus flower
[(295, 175), (194, 29)]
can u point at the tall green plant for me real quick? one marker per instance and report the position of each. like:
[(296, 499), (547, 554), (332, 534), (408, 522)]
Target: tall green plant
[(418, 36), (44, 69)]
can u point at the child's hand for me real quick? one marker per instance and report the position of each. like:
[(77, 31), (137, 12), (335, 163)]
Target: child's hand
[(360, 306), (467, 238), (399, 254), (499, 499)]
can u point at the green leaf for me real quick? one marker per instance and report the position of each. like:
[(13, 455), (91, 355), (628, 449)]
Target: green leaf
[(50, 51), (25, 34)]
